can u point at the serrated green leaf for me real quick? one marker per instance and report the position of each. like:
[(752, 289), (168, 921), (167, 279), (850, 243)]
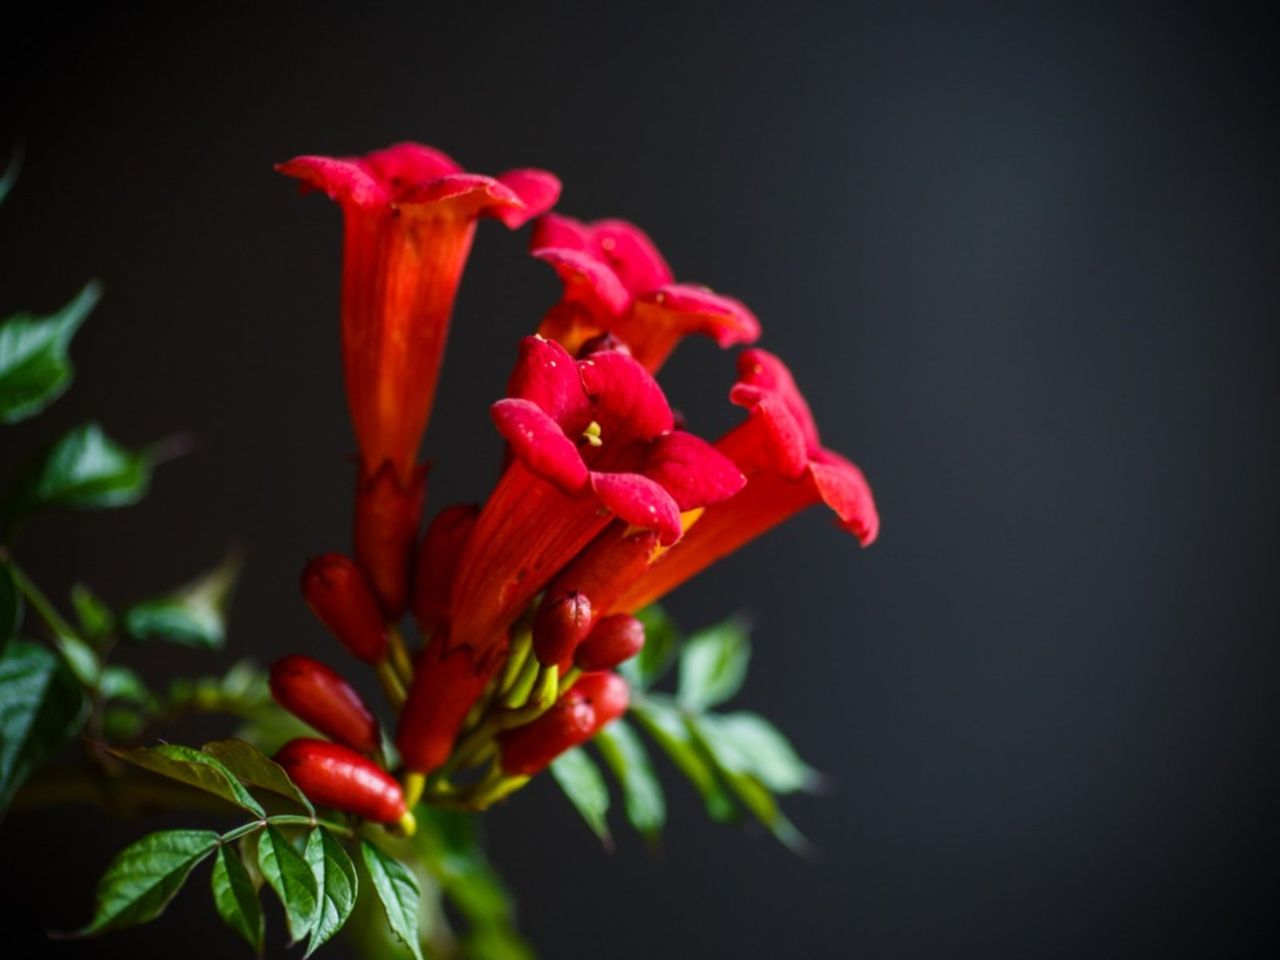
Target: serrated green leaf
[(713, 665), (193, 768), (336, 884), (584, 785), (144, 877), (85, 469), (737, 774), (665, 724), (290, 876), (41, 708), (10, 608), (34, 366), (250, 765), (759, 748), (194, 615), (641, 791), (236, 898), (661, 640), (95, 617), (398, 890)]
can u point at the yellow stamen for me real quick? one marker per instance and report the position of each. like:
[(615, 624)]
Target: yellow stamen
[(592, 434)]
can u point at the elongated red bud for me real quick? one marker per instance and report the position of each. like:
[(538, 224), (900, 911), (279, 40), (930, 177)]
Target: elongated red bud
[(319, 696), (340, 596), (437, 558), (592, 702), (446, 684), (336, 776), (386, 527), (613, 640), (562, 622)]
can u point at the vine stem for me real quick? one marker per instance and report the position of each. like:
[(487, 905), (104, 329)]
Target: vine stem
[(39, 602), (287, 820)]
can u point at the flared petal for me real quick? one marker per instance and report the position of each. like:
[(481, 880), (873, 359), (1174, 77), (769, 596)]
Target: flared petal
[(659, 319), (695, 473), (844, 489), (639, 501), (540, 443)]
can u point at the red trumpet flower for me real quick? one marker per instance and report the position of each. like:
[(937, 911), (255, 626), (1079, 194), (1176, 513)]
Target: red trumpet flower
[(409, 217), (591, 439), (616, 281), (339, 595), (317, 695), (334, 776), (787, 469)]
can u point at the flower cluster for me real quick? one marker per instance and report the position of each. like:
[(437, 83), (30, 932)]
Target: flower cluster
[(526, 602)]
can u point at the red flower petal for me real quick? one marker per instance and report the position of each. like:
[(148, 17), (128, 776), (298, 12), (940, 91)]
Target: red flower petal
[(547, 376), (623, 246), (405, 165), (691, 470), (639, 501), (845, 490), (344, 181), (629, 403), (587, 281), (538, 190), (540, 443), (762, 375), (660, 318)]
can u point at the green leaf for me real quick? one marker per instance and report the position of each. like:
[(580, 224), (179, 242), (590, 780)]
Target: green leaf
[(336, 883), (96, 618), (121, 683), (661, 640), (665, 724), (11, 170), (41, 708), (713, 665), (10, 608), (34, 367), (193, 615), (737, 772), (398, 890), (750, 742), (85, 469), (81, 658), (236, 898), (583, 784), (292, 880), (250, 765), (641, 791), (461, 867), (144, 877), (193, 768)]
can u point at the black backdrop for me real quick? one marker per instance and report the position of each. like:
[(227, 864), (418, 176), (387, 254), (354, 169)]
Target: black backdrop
[(1023, 261)]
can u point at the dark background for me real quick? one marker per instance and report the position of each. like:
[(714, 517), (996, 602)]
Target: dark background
[(1024, 262)]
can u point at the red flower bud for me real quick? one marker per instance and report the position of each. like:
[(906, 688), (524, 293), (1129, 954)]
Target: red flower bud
[(446, 683), (613, 640), (437, 559), (386, 527), (340, 596), (561, 623), (317, 695), (335, 776), (592, 702)]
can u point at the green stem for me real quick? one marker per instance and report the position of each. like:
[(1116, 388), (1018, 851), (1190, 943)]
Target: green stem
[(286, 820), (39, 602)]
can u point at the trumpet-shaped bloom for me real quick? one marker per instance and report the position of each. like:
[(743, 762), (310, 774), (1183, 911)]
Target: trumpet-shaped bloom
[(409, 216), (591, 440), (616, 281), (787, 468)]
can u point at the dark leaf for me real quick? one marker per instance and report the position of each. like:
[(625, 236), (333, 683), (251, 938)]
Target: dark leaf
[(397, 888), (96, 618), (193, 615), (255, 768), (289, 875), (582, 782), (34, 367), (713, 665), (666, 725), (459, 863), (641, 791), (41, 709), (236, 898), (11, 170), (336, 885), (10, 608), (84, 470), (144, 877), (194, 768)]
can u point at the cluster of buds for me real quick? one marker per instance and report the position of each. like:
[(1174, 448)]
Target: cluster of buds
[(524, 604)]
